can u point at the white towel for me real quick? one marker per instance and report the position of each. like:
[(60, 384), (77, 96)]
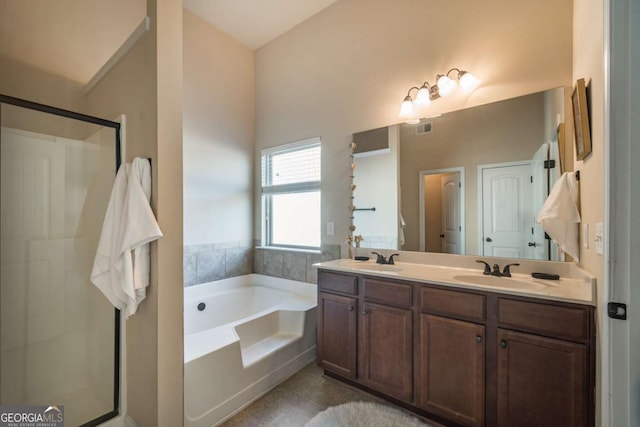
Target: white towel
[(402, 226), (121, 266), (559, 216)]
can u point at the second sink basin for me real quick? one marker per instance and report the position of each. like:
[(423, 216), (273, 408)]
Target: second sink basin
[(499, 281)]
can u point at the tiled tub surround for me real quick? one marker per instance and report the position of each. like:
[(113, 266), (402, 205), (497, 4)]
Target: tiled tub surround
[(216, 261), (291, 264)]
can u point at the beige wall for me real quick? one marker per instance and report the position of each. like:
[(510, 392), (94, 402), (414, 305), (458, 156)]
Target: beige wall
[(130, 89), (218, 132), (21, 80), (170, 350), (505, 131), (588, 40), (347, 69), (146, 86), (588, 47)]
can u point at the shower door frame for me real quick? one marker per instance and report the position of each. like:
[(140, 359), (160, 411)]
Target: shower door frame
[(18, 102)]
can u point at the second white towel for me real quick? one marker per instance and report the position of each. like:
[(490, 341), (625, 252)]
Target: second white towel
[(560, 217)]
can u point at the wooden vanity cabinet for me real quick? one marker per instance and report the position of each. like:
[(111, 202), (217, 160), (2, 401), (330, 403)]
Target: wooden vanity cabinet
[(386, 338), (337, 323), (544, 364), (462, 357), (541, 381), (452, 355), (378, 319)]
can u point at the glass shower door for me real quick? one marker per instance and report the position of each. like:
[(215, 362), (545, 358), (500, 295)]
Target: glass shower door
[(58, 339)]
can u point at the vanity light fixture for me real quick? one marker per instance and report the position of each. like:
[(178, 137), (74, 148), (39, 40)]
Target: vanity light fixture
[(444, 86)]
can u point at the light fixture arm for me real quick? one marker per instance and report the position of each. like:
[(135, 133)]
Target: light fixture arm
[(409, 92)]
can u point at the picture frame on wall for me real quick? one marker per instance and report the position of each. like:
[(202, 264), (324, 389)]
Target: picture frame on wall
[(581, 120), (561, 146)]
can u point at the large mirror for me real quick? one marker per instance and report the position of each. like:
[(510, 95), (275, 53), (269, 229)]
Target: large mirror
[(466, 182)]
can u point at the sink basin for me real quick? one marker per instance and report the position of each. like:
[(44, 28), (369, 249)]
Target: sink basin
[(507, 282), (363, 265)]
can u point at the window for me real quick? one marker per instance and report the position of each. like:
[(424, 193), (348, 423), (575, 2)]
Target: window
[(291, 195)]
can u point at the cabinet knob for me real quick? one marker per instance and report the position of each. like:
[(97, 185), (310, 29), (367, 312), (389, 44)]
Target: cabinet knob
[(365, 312), (488, 239), (503, 344), (350, 308), (478, 339)]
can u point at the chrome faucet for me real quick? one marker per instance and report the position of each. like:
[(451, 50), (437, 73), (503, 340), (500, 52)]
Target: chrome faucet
[(382, 260), (496, 269)]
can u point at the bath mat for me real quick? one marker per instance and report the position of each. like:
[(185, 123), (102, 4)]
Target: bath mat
[(364, 414)]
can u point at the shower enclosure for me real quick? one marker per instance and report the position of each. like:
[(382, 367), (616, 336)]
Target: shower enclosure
[(59, 337)]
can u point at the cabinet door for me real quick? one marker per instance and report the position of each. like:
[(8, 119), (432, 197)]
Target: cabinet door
[(387, 350), (452, 369), (337, 334), (541, 381)]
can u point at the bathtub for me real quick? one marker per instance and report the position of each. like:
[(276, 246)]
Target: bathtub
[(253, 332)]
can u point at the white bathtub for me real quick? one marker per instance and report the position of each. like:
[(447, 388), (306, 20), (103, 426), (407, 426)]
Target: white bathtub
[(254, 332)]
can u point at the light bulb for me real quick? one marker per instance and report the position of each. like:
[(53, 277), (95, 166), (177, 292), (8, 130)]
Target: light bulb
[(468, 82), (446, 86), (422, 98), (406, 109)]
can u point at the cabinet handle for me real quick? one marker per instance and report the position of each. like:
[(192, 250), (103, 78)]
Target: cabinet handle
[(365, 312), (503, 344), (350, 308), (478, 339)]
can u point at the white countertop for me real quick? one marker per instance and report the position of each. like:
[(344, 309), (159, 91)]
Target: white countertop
[(581, 290)]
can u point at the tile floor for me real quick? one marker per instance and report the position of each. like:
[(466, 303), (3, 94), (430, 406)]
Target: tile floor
[(298, 399)]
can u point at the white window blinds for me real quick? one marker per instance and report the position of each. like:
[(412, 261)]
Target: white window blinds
[(291, 168)]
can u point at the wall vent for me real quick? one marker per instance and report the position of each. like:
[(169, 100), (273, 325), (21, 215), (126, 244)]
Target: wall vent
[(423, 128)]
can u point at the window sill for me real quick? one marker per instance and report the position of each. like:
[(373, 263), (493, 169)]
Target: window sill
[(285, 249)]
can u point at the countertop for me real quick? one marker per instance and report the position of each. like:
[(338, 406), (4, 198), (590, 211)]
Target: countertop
[(567, 289)]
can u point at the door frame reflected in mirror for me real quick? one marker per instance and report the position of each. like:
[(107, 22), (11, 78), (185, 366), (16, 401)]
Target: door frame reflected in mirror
[(423, 205)]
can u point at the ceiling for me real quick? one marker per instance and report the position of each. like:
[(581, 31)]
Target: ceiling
[(74, 38), (254, 23)]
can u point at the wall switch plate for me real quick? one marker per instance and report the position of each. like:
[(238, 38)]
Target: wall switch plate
[(585, 236), (330, 229), (599, 238)]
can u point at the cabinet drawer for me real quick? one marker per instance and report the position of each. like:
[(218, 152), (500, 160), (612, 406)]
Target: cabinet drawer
[(335, 282), (398, 294), (453, 303), (561, 322)]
